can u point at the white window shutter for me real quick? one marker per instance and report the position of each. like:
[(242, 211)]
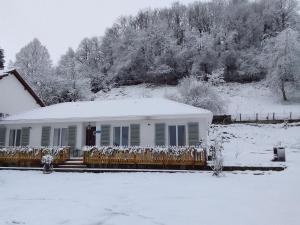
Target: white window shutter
[(72, 133), (45, 139), (193, 133), (135, 134), (160, 134), (105, 135), (25, 136)]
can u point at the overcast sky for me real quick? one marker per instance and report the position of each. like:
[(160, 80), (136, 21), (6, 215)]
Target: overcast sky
[(60, 24)]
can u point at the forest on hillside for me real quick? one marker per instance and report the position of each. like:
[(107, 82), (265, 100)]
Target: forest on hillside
[(243, 40)]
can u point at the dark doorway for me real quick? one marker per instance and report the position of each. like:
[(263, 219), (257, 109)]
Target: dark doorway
[(90, 136)]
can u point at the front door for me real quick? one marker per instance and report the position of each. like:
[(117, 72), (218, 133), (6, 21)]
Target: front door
[(90, 136)]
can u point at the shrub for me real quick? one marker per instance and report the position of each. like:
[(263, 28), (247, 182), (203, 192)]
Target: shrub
[(199, 94)]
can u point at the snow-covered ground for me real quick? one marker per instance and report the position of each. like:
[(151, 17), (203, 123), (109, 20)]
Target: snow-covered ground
[(253, 98), (252, 144), (240, 98), (237, 198), (149, 198)]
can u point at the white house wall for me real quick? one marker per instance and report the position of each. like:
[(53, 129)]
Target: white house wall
[(36, 132), (14, 98), (147, 130)]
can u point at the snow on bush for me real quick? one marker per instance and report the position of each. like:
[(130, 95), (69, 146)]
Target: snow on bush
[(109, 150), (216, 78), (216, 150), (193, 92), (47, 159), (49, 150)]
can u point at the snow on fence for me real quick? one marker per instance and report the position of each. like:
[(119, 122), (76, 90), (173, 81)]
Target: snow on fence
[(183, 157), (29, 156), (265, 117)]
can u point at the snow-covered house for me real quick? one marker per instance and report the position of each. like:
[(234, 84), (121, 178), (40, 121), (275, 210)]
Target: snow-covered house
[(128, 122), (16, 95)]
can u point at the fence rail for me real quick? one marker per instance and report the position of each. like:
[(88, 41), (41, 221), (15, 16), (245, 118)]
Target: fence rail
[(256, 117), (266, 116), (142, 158)]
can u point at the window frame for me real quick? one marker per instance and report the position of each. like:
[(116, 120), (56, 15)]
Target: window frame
[(15, 135), (121, 127), (177, 133), (60, 137)]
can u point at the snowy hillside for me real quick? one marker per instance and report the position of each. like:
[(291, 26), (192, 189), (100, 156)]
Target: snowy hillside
[(240, 98)]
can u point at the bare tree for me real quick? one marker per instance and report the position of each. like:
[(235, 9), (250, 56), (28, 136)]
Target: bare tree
[(34, 62), (282, 55), (67, 67)]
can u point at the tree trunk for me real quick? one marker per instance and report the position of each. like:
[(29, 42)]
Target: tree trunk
[(283, 91)]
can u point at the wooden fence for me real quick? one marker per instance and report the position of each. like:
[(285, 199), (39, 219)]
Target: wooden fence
[(257, 117), (266, 117), (144, 158), (14, 156)]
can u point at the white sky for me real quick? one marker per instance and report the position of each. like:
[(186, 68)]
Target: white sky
[(60, 24)]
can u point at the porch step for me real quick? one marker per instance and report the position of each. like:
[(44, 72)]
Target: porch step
[(73, 163), (76, 159), (72, 166)]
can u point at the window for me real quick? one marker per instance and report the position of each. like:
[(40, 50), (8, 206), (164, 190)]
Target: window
[(60, 137), (56, 137), (120, 136), (15, 137), (177, 135)]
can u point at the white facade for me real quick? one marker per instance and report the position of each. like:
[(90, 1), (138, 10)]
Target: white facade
[(83, 115), (14, 98), (147, 130)]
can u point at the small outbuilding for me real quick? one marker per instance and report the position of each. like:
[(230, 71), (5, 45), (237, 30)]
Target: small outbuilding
[(144, 122)]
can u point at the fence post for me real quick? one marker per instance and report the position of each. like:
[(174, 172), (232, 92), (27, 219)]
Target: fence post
[(240, 116), (273, 116), (290, 115), (256, 117)]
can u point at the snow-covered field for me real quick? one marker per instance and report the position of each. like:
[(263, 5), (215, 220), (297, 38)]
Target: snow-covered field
[(237, 198), (240, 98), (252, 144)]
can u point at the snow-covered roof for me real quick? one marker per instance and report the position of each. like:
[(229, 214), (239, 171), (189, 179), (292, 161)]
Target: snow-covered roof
[(125, 109)]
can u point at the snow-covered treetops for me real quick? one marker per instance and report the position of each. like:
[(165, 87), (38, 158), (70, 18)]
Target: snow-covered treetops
[(247, 40)]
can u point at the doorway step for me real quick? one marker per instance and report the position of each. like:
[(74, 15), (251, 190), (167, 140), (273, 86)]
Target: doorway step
[(73, 163)]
